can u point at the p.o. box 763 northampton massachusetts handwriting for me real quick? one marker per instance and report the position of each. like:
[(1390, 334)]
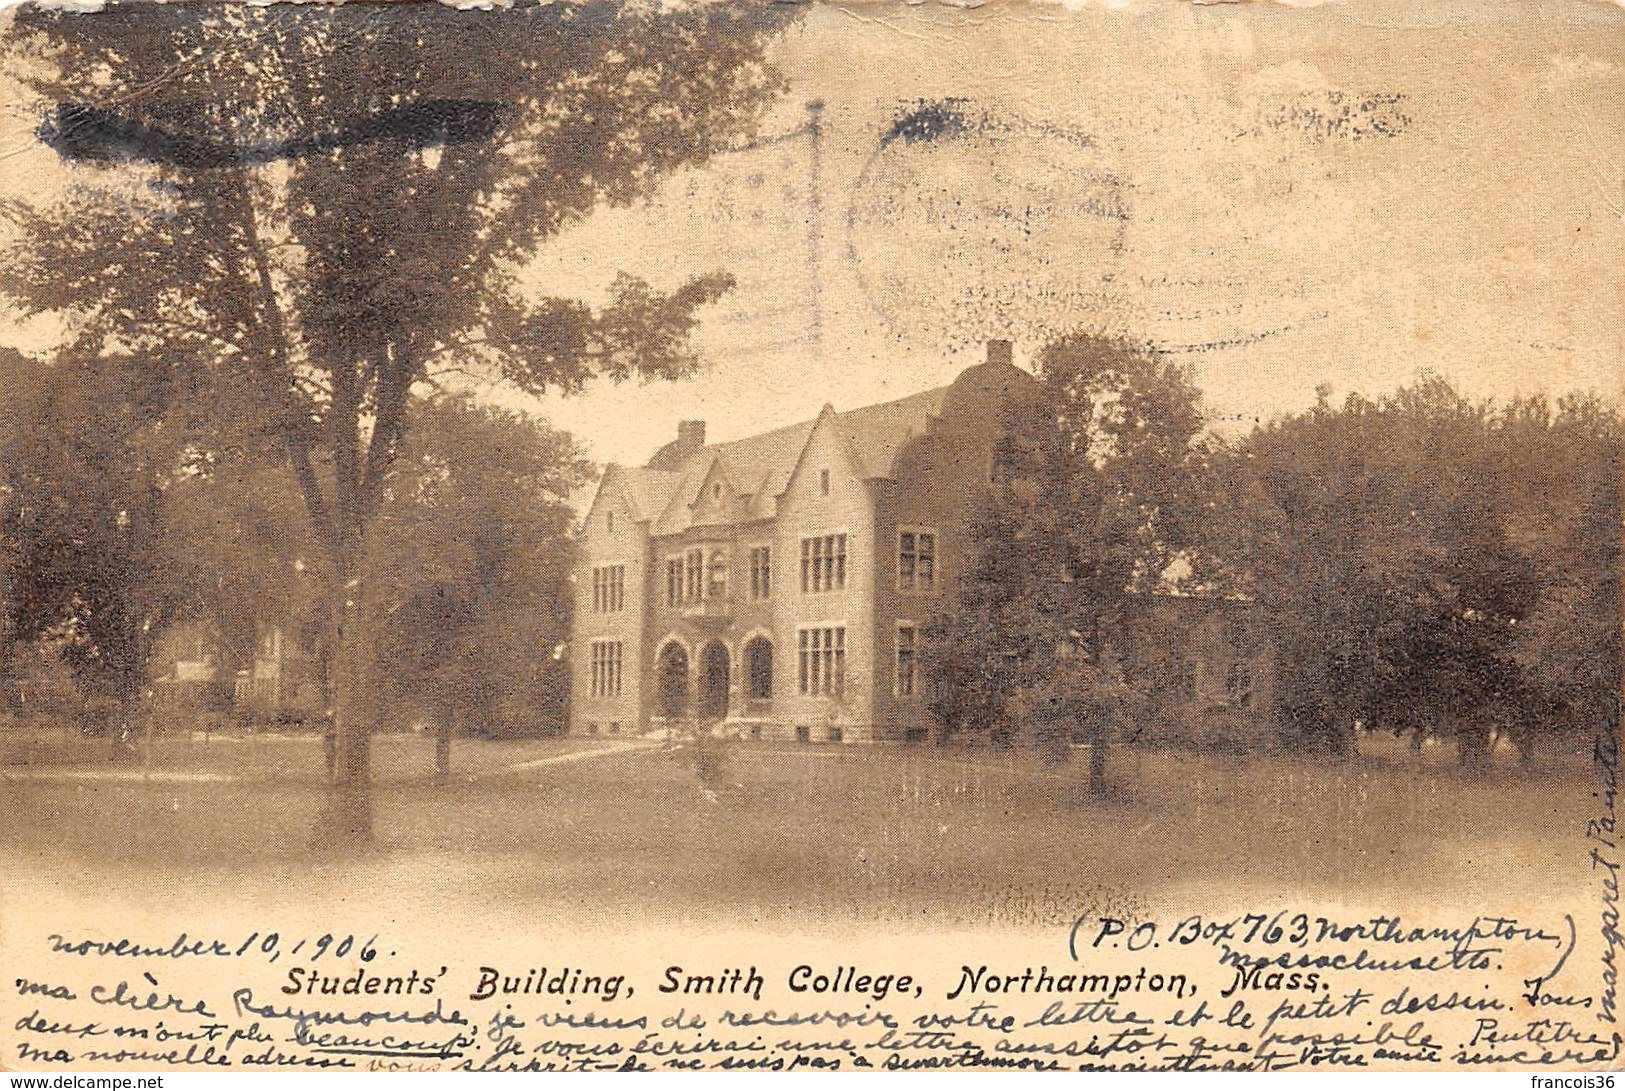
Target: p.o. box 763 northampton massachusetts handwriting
[(715, 535)]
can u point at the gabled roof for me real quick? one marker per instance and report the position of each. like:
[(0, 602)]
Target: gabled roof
[(761, 465), (647, 492), (876, 433), (728, 493)]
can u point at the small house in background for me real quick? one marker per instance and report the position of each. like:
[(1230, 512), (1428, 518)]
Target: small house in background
[(186, 674), (284, 682)]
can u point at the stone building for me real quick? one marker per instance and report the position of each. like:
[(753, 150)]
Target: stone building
[(778, 585)]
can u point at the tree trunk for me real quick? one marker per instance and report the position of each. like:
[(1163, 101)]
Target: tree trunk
[(354, 702), (340, 527), (1472, 748), (1097, 762), (442, 746), (1340, 737), (120, 717), (349, 818), (1525, 740)]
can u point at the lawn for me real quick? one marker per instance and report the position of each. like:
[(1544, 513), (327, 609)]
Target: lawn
[(272, 756), (813, 833)]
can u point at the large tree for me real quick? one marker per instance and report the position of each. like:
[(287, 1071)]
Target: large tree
[(1563, 465), (1429, 564), (474, 554), (121, 512), (86, 562), (15, 369), (1096, 497), (322, 207)]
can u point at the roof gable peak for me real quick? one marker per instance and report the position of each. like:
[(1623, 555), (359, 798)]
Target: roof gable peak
[(716, 475), (828, 418)]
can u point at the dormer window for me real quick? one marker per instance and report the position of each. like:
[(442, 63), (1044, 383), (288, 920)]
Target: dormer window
[(716, 492), (823, 482), (609, 522)]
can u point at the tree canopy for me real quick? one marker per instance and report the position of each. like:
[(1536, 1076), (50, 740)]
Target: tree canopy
[(473, 561), (1416, 557), (83, 499), (313, 210), (1096, 495), (317, 224)]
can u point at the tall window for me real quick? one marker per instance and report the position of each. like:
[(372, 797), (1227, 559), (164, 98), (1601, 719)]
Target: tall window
[(693, 575), (908, 666), (916, 560), (759, 662), (674, 581), (761, 572), (823, 563), (609, 588), (717, 587), (823, 482), (606, 668), (821, 661)]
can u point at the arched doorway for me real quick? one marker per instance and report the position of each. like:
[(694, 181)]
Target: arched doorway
[(759, 668), (713, 701), (671, 673)]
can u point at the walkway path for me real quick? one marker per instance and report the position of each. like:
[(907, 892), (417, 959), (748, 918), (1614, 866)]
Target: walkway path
[(619, 747), (178, 776), (156, 776)]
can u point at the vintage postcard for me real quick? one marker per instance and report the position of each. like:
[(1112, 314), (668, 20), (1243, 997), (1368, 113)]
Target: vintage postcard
[(811, 536)]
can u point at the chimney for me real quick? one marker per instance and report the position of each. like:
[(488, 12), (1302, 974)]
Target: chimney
[(998, 353), (690, 441)]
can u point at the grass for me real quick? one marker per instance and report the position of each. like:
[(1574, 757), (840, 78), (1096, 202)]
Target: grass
[(921, 834), (271, 756)]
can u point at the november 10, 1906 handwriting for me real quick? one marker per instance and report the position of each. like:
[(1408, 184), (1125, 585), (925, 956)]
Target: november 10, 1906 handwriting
[(1259, 991)]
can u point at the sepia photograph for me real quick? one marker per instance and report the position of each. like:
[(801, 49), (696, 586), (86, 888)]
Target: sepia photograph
[(599, 535)]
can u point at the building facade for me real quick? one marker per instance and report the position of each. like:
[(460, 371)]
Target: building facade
[(778, 586), (283, 682)]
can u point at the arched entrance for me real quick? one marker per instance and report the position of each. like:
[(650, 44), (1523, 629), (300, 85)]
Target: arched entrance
[(713, 700), (671, 674)]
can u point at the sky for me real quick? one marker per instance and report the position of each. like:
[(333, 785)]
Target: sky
[(1277, 196)]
